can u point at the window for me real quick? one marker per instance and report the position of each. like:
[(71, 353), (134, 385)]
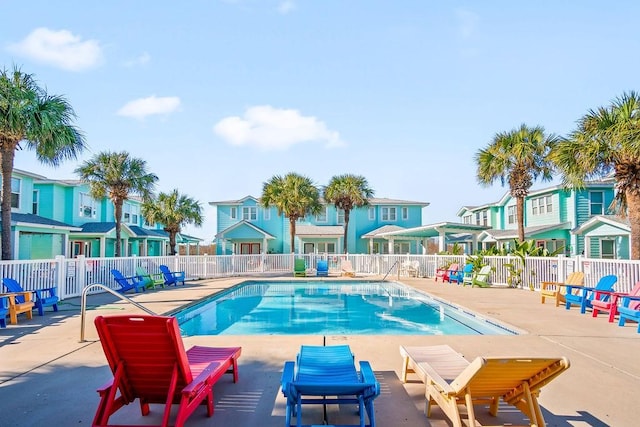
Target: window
[(130, 213), (249, 213), (485, 218), (328, 247), (405, 213), (87, 206), (511, 214), (467, 219), (607, 249), (389, 214), (477, 218), (149, 224), (322, 216), (401, 248), (372, 213), (596, 203), (340, 216), (549, 204), (233, 212), (16, 183), (540, 205), (34, 205), (266, 214), (534, 206)]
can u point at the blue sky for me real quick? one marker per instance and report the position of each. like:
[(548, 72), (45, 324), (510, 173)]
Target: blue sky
[(219, 96)]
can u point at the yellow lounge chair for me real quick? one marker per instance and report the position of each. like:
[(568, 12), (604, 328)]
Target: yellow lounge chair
[(451, 380), (555, 291)]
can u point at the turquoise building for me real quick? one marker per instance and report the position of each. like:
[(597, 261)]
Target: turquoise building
[(245, 227)]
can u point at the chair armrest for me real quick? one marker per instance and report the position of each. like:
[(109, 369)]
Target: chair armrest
[(368, 377), (12, 295), (287, 375), (631, 297), (546, 285), (204, 379)]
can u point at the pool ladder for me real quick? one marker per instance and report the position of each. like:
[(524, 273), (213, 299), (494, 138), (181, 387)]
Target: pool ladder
[(83, 304), (392, 265)]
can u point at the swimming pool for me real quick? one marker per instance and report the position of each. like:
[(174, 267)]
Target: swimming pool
[(330, 308)]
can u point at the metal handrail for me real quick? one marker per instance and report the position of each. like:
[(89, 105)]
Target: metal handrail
[(83, 304), (392, 265)]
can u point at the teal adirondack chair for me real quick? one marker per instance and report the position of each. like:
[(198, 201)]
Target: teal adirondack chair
[(150, 280)]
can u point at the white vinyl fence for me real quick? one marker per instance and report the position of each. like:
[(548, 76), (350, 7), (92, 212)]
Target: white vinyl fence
[(72, 275)]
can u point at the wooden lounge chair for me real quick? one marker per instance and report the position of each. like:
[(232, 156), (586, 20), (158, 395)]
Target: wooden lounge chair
[(149, 363), (18, 303), (45, 297), (299, 267), (172, 277), (347, 268), (451, 381), (611, 305), (327, 375), (553, 290)]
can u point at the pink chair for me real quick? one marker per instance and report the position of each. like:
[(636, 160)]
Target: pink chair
[(446, 273), (611, 305)]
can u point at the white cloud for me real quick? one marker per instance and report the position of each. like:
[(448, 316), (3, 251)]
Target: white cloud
[(286, 6), (152, 105), (270, 128), (143, 59), (60, 49), (467, 22)]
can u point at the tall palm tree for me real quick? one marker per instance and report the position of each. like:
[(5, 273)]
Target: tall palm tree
[(517, 157), (294, 196), (607, 140), (117, 176), (347, 192), (40, 122), (174, 210)]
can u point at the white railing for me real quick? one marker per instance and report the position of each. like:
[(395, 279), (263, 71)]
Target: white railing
[(72, 275)]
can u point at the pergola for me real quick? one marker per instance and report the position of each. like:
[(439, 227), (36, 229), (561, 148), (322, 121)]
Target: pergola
[(441, 230)]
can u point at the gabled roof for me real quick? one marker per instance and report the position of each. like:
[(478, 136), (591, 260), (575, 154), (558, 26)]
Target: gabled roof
[(245, 224), (374, 201), (32, 220), (103, 228), (235, 202), (612, 220), (529, 232), (319, 230), (380, 230)]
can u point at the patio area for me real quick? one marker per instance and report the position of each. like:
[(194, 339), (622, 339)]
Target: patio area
[(49, 377)]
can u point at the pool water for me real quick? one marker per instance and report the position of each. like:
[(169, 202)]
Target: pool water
[(329, 308)]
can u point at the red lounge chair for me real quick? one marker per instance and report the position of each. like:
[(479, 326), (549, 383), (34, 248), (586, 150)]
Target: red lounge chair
[(149, 363)]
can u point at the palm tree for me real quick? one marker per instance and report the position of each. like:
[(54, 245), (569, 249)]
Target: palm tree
[(608, 140), (347, 192), (117, 175), (173, 210), (294, 196), (517, 157), (38, 121)]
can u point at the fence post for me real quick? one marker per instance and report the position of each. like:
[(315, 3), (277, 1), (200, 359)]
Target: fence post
[(61, 273)]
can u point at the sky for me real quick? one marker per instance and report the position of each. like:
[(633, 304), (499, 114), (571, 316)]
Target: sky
[(219, 96)]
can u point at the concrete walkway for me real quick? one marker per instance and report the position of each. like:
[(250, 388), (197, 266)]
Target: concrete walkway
[(49, 377)]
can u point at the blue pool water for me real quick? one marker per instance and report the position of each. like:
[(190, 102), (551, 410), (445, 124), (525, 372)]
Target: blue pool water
[(329, 308)]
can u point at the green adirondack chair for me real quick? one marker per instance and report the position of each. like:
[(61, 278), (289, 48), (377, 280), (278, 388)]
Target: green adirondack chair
[(150, 280), (481, 278)]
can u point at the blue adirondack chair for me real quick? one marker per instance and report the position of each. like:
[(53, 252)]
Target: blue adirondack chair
[(322, 268), (460, 275), (172, 277), (586, 294), (629, 309), (136, 283), (47, 297), (329, 373), (4, 310)]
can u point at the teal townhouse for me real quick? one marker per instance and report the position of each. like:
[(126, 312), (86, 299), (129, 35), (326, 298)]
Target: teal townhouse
[(59, 217), (245, 227), (575, 221)]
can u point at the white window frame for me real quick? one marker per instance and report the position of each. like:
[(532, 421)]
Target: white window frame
[(592, 203), (322, 216), (485, 217), (326, 247), (534, 206), (266, 214), (130, 213), (16, 190), (233, 212), (389, 214), (372, 213), (340, 216), (249, 213), (466, 219), (549, 202), (405, 213), (35, 204), (511, 214), (612, 255), (87, 206)]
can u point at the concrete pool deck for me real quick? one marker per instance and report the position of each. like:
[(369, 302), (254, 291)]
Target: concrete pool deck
[(49, 377)]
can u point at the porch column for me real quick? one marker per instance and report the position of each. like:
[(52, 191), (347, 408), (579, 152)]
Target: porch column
[(16, 244), (390, 245), (587, 247), (371, 245), (103, 249), (442, 246), (265, 244)]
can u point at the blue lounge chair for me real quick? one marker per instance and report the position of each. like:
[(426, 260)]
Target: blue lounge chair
[(586, 294), (322, 268), (629, 309), (172, 277), (327, 375), (462, 276), (128, 283), (47, 297), (299, 268)]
